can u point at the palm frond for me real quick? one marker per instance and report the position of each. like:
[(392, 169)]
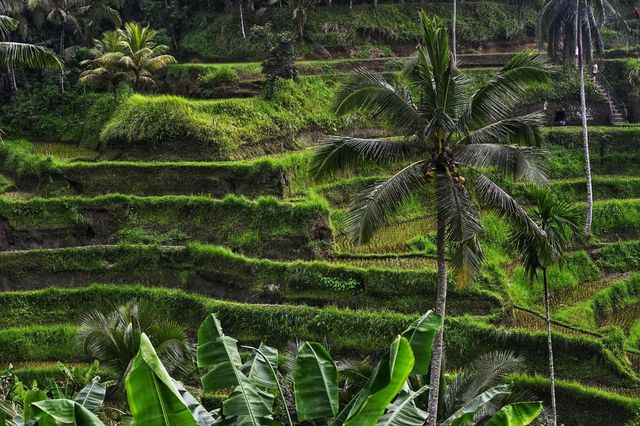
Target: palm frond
[(516, 162), (520, 130), (22, 55), (369, 92), (489, 370), (561, 222), (376, 203), (495, 99), (462, 227), (492, 197), (7, 25), (338, 152)]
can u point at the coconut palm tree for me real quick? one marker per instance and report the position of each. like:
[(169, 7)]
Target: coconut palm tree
[(107, 67), (114, 338), (58, 12), (571, 28), (142, 56), (449, 134), (561, 222), (21, 55)]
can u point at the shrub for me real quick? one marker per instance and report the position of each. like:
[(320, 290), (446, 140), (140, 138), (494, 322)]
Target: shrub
[(156, 120), (219, 76)]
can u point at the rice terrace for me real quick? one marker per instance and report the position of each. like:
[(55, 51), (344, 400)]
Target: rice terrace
[(304, 212)]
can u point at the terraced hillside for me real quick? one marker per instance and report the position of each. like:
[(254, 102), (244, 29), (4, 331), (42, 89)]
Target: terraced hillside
[(212, 209)]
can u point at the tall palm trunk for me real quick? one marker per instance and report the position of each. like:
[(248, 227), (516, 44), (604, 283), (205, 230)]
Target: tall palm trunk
[(552, 378), (244, 35), (585, 135), (11, 73), (61, 47), (454, 18), (438, 344)]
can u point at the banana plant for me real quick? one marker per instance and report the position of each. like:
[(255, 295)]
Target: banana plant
[(253, 383), (387, 399), (155, 398), (38, 408)]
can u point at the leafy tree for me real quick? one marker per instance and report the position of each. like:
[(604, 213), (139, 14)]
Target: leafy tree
[(568, 27), (114, 338), (281, 61), (561, 222), (21, 55), (129, 54), (143, 56), (449, 134)]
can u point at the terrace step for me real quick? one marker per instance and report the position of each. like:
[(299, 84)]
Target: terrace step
[(587, 290), (217, 272), (345, 331), (264, 227), (273, 175)]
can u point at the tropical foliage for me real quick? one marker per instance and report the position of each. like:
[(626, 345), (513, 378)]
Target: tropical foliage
[(114, 338), (561, 222), (130, 54), (449, 135)]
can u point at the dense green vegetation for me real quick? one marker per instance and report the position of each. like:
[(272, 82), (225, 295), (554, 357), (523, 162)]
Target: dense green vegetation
[(163, 194)]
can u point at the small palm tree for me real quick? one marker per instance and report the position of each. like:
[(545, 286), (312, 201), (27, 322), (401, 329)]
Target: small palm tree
[(127, 55), (107, 67), (143, 56), (561, 222), (571, 29), (114, 338), (475, 379), (449, 134)]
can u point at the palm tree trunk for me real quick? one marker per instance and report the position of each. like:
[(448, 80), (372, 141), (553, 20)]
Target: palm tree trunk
[(454, 17), (552, 378), (585, 136), (244, 35), (438, 346), (61, 39), (12, 79)]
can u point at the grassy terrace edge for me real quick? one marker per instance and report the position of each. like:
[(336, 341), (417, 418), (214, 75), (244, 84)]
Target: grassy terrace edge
[(31, 336), (264, 226), (218, 272)]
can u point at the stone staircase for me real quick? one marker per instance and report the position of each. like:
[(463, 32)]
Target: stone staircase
[(617, 109)]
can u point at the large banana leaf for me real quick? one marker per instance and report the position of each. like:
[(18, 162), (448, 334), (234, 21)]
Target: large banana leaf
[(31, 396), (153, 398), (91, 396), (404, 412), (220, 353), (199, 413), (316, 383), (420, 335), (258, 371), (384, 385), (516, 414), (465, 414), (65, 411)]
